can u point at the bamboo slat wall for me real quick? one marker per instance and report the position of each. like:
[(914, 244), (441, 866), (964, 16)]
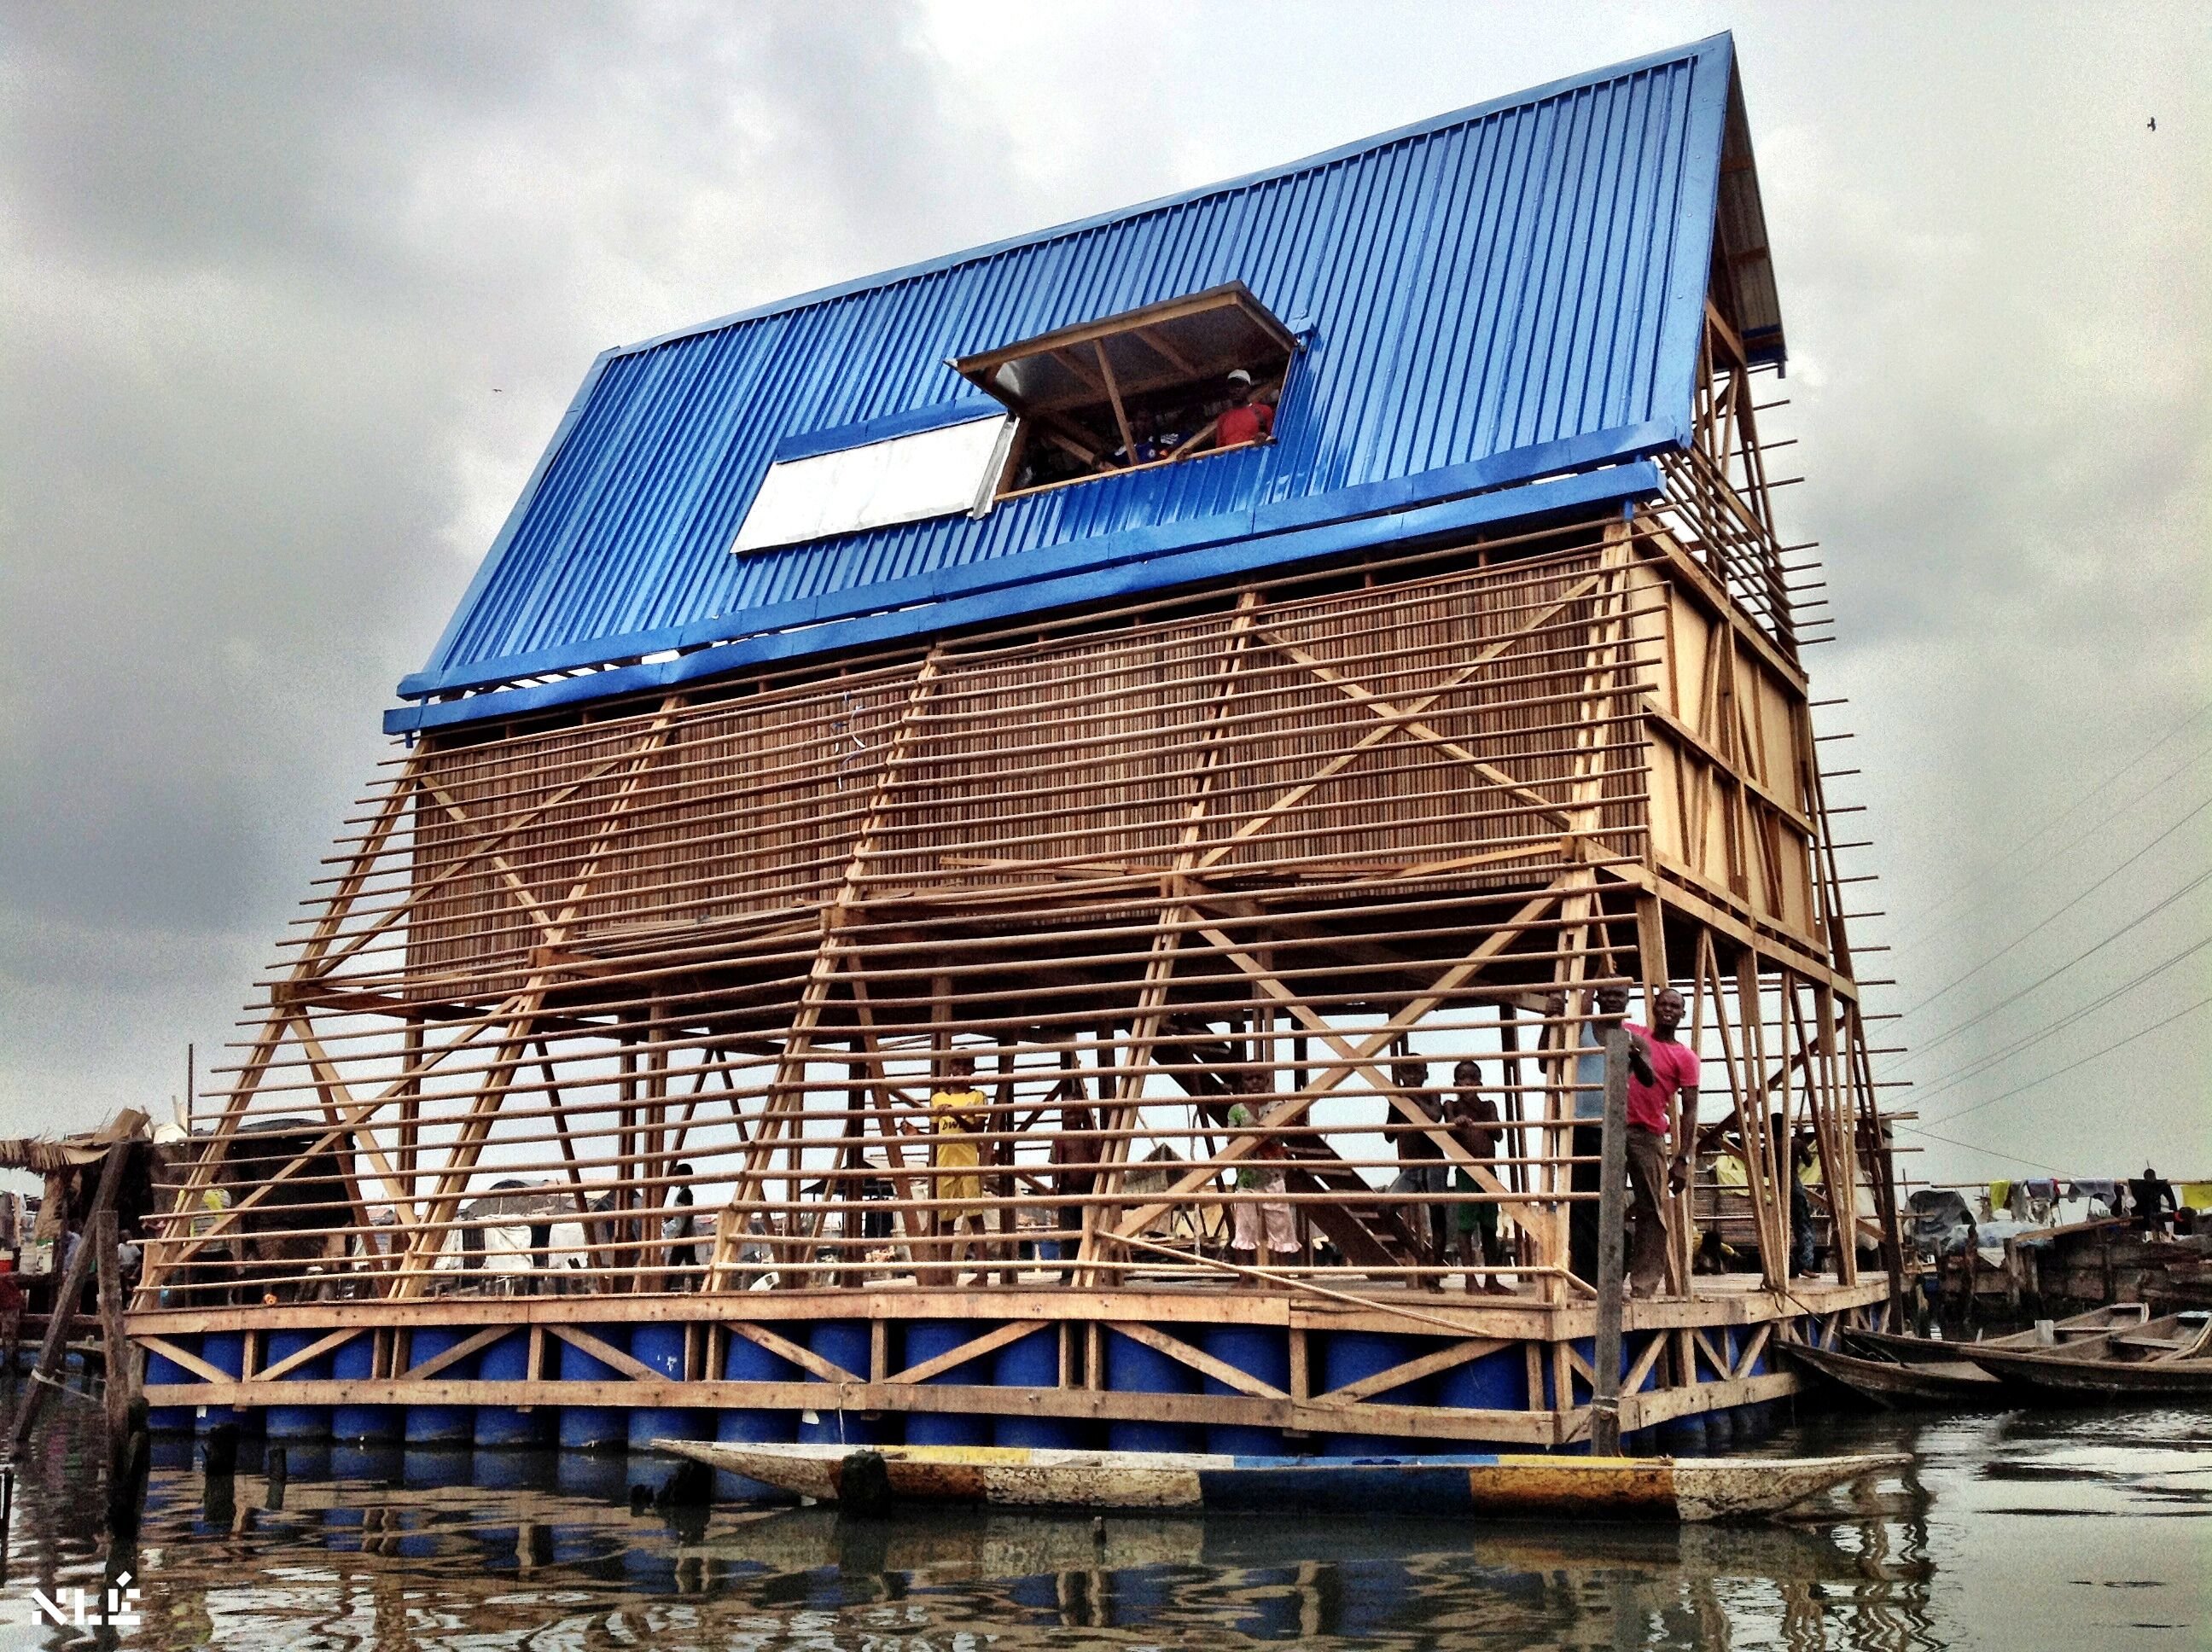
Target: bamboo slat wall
[(658, 999)]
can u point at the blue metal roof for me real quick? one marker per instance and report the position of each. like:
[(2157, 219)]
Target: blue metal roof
[(1492, 296)]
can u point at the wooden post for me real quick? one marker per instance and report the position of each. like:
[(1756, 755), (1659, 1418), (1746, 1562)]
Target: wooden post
[(66, 1299), (1605, 1354), (116, 1351)]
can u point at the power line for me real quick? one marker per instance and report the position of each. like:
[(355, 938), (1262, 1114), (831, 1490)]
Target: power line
[(1976, 1068), (2052, 822), (2062, 911), (2011, 1158), (2140, 919), (2021, 1090)]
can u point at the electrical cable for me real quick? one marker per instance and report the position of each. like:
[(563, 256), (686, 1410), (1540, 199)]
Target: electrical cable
[(2053, 821), (2141, 918), (2046, 922), (1974, 1069), (2022, 1090)]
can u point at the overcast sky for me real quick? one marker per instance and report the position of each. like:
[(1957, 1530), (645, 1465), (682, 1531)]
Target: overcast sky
[(291, 297)]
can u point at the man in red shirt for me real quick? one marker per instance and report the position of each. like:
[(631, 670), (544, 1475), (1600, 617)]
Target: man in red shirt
[(1246, 421), (1663, 1073)]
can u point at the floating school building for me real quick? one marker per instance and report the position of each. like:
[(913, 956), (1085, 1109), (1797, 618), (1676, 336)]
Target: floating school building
[(950, 667)]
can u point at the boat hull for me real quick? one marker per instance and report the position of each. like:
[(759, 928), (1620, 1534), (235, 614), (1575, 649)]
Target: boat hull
[(2111, 1379), (1889, 1382), (1629, 1488)]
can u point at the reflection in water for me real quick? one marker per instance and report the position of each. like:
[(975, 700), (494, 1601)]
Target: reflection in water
[(391, 1550)]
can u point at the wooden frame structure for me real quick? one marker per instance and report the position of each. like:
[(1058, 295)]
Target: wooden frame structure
[(710, 952), (859, 1034)]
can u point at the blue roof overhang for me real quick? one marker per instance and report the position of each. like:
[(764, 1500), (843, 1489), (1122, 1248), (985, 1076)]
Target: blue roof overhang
[(1145, 563)]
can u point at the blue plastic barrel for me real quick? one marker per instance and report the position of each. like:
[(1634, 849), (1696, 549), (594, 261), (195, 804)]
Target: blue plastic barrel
[(843, 1343), (596, 1474), (661, 1346), (160, 1368), (1720, 1432), (173, 1449), (1133, 1367), (1349, 1356), (590, 1427), (305, 1460), (926, 1339), (288, 1423), (747, 1361), (508, 1360), (1032, 1361), (497, 1470), (441, 1425), (1260, 1351), (422, 1467), (355, 1361), (380, 1461), (226, 1351), (1496, 1381), (1682, 1436)]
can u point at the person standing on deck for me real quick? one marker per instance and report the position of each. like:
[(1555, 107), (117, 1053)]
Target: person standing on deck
[(2154, 1200), (678, 1230), (1587, 1141), (1476, 1126), (1662, 1077), (956, 1112), (1074, 1175), (1248, 1217), (1421, 1161)]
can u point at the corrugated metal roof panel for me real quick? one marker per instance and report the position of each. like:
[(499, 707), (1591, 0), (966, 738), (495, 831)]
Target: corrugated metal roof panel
[(1521, 280)]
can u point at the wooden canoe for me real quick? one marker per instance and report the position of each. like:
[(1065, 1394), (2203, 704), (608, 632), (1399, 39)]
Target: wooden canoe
[(2170, 1356), (1921, 1351), (1894, 1383), (1622, 1488)]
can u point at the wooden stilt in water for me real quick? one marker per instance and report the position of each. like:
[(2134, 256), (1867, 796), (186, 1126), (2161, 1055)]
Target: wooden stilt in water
[(50, 1352), (130, 1451), (1613, 1173)]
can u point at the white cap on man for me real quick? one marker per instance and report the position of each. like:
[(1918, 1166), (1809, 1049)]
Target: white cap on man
[(1239, 376)]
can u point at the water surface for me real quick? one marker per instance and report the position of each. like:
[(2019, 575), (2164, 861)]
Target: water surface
[(2070, 1529)]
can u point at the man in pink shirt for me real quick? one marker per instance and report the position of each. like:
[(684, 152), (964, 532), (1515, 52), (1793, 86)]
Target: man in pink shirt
[(1663, 1073)]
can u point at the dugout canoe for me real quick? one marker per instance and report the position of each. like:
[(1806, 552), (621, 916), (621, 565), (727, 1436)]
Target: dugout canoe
[(1613, 1488), (1893, 1383), (1923, 1351), (2170, 1356)]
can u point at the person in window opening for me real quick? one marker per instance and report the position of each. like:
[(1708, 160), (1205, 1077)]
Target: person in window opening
[(1246, 419), (1250, 1216), (955, 1111), (1421, 1161), (1662, 1077), (1476, 1126)]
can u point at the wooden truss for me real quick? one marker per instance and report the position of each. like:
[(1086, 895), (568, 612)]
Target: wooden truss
[(653, 1001)]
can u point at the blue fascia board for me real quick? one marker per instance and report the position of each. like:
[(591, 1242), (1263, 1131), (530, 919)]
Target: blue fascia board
[(1684, 312), (1639, 479), (812, 444), (1705, 49), (1026, 567)]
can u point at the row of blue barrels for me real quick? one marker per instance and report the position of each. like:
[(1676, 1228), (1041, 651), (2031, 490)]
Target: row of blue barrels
[(1496, 1381)]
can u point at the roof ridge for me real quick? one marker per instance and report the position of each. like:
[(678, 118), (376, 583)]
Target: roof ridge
[(1426, 127)]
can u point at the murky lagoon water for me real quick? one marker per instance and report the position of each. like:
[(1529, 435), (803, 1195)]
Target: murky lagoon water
[(2078, 1530)]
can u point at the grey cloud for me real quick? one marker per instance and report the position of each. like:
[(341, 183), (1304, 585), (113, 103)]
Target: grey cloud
[(263, 267)]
